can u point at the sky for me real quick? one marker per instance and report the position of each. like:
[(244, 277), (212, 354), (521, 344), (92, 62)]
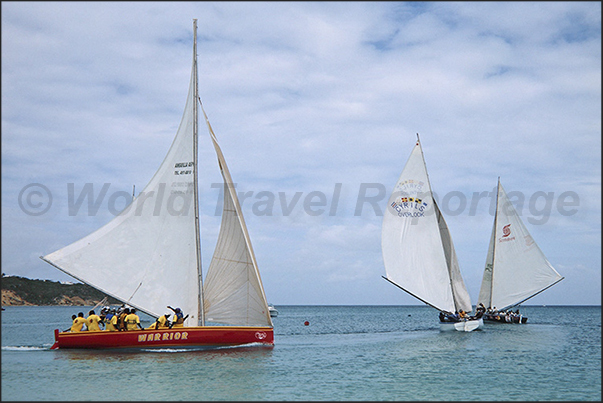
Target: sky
[(316, 106)]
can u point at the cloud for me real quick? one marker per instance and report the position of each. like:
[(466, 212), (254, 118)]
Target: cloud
[(303, 96)]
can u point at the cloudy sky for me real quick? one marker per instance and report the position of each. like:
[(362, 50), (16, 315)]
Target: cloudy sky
[(310, 97)]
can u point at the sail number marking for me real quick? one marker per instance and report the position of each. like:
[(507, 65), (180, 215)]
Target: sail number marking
[(178, 168)]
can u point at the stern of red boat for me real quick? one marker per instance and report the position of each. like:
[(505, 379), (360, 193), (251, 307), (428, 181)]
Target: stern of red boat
[(56, 340)]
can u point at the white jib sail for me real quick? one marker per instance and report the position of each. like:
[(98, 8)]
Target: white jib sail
[(459, 291), (519, 270), (147, 255), (233, 292), (485, 291), (414, 255)]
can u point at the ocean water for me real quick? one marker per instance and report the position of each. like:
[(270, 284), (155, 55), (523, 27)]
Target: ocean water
[(345, 353)]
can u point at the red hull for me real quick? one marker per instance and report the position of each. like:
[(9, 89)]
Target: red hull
[(182, 337)]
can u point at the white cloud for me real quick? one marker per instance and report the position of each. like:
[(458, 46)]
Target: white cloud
[(303, 96)]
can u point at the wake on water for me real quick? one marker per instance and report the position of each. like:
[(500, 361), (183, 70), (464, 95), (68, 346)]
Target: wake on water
[(25, 348), (150, 350)]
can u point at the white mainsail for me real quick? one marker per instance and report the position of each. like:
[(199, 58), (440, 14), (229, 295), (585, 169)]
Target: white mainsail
[(418, 252), (148, 256), (516, 269)]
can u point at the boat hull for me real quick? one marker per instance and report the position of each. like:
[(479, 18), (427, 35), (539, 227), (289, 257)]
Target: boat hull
[(462, 326), (505, 319), (181, 337)]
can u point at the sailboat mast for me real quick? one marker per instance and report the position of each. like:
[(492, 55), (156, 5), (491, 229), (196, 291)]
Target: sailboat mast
[(494, 244), (200, 313)]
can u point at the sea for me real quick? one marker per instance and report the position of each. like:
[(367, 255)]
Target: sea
[(335, 353)]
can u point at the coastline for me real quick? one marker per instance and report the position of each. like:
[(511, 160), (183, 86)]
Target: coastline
[(22, 291)]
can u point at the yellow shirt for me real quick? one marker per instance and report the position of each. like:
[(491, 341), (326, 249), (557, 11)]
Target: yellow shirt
[(132, 321), (78, 323), (112, 324), (92, 322), (178, 321), (162, 323)]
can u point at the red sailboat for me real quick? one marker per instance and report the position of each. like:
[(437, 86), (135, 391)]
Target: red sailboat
[(149, 256)]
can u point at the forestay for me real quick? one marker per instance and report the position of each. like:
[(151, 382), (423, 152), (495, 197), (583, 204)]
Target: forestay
[(418, 252), (516, 269)]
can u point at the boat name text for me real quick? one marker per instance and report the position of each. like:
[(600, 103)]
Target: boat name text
[(417, 205), (147, 338)]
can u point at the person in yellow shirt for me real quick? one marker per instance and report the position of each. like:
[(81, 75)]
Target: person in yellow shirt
[(161, 323), (132, 321), (78, 322), (111, 321), (72, 320), (93, 321), (179, 317)]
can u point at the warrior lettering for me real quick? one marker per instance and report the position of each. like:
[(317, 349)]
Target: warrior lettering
[(142, 338)]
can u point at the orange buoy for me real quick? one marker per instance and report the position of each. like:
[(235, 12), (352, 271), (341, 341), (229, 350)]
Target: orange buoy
[(306, 323)]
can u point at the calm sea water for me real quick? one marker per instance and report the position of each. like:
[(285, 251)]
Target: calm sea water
[(345, 353)]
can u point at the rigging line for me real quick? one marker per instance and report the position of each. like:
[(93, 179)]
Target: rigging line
[(533, 295), (132, 296), (420, 299), (101, 302)]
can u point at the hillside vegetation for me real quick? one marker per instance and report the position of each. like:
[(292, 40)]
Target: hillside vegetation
[(23, 291)]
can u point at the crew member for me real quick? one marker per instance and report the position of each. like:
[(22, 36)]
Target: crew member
[(132, 321), (78, 322), (93, 321), (179, 317), (162, 322), (111, 321)]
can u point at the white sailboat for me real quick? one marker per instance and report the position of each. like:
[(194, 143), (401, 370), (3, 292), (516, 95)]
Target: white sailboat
[(418, 252), (516, 269), (149, 256)]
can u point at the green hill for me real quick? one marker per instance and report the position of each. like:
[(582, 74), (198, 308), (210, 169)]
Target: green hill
[(23, 291)]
